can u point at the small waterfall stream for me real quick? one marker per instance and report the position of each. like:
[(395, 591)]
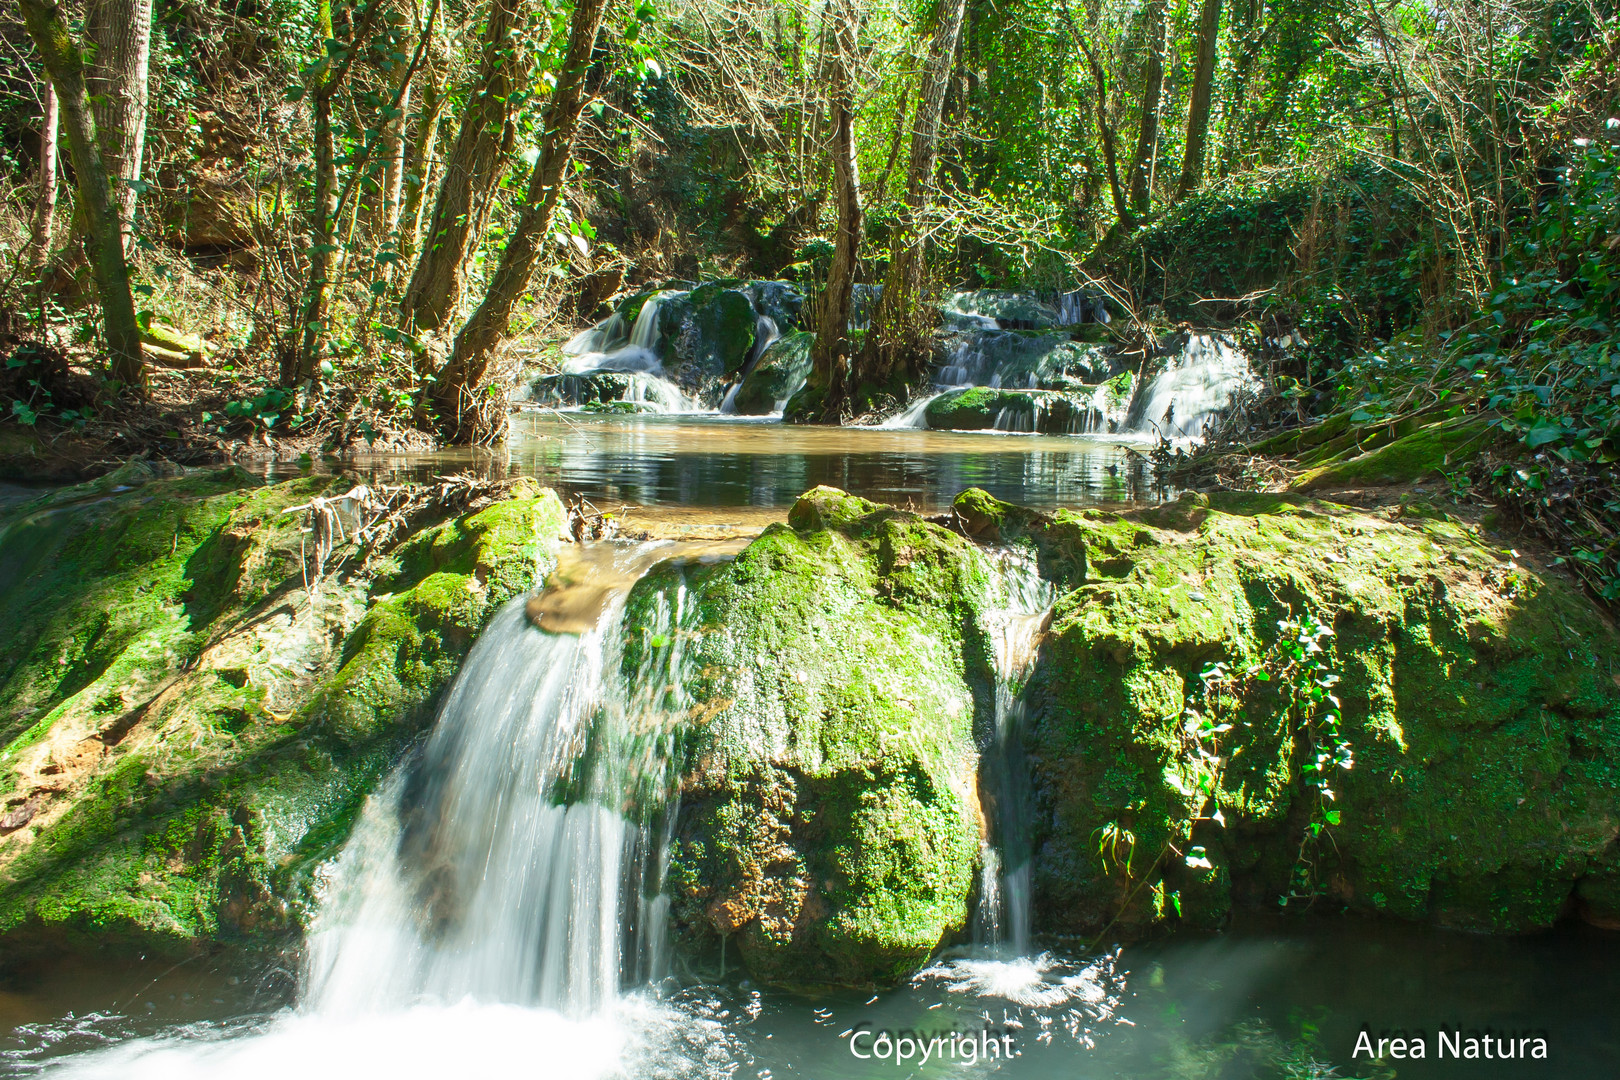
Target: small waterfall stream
[(1001, 921)]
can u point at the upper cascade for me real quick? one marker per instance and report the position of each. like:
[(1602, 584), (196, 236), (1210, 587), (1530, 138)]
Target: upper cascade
[(1013, 362), (682, 347)]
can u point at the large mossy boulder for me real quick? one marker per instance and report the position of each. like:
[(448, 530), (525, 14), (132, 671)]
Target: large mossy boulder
[(1478, 702), (195, 706), (776, 376), (984, 408), (708, 333), (829, 825)]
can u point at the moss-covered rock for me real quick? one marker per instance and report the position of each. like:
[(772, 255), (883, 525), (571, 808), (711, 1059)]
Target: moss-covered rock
[(191, 726), (1478, 700), (829, 823), (777, 375), (708, 333), (980, 408)]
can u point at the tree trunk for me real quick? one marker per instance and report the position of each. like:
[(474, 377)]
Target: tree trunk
[(322, 246), (1105, 132), (1152, 89), (121, 32), (831, 348), (393, 148), (474, 167), (45, 212), (454, 392), (1192, 165), (105, 245), (419, 163), (894, 337)]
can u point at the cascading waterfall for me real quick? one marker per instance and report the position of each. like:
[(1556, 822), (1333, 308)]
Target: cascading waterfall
[(1196, 385), (606, 348), (1001, 921), (766, 332), (501, 891), (508, 863)]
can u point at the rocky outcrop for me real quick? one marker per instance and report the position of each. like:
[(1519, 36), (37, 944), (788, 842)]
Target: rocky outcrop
[(195, 705), (984, 408), (1473, 698), (776, 376), (1202, 659), (829, 824)]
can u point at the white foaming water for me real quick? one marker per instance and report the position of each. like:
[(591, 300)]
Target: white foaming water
[(604, 347), (1001, 921), (1193, 388), (913, 416), (498, 892)]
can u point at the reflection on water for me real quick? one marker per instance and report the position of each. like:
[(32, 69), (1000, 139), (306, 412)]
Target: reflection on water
[(1278, 998), (708, 461)]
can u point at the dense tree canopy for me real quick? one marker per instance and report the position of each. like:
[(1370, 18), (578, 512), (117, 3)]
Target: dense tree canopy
[(363, 205)]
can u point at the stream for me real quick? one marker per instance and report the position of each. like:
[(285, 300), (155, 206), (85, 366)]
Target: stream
[(476, 926)]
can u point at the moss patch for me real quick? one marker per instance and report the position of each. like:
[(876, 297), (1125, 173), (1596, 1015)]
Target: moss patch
[(1477, 695), (837, 670), (191, 730)]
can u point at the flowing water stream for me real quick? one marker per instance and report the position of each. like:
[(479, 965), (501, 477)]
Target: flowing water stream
[(497, 912)]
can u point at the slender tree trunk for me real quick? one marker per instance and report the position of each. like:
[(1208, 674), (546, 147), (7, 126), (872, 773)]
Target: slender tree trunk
[(894, 337), (1192, 164), (45, 212), (829, 353), (419, 164), (472, 170), (121, 31), (1152, 89), (105, 245), (393, 148), (454, 393), (322, 246), (1105, 132)]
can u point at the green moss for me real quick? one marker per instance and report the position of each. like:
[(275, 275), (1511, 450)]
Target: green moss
[(836, 671), (220, 725), (777, 375), (1424, 452), (1485, 730)]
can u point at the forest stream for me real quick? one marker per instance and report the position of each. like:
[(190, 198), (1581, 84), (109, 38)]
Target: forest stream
[(501, 905)]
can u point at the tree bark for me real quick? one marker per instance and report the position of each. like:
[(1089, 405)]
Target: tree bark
[(393, 148), (1152, 91), (894, 337), (419, 164), (453, 395), (1105, 132), (45, 212), (105, 243), (1192, 164), (473, 168), (121, 31), (300, 365), (828, 355)]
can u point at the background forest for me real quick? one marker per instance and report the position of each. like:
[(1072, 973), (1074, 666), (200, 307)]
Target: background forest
[(340, 224)]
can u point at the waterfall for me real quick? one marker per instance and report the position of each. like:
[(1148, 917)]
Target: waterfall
[(1196, 385), (605, 347), (912, 416), (507, 863), (766, 332), (1001, 920), (499, 895)]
